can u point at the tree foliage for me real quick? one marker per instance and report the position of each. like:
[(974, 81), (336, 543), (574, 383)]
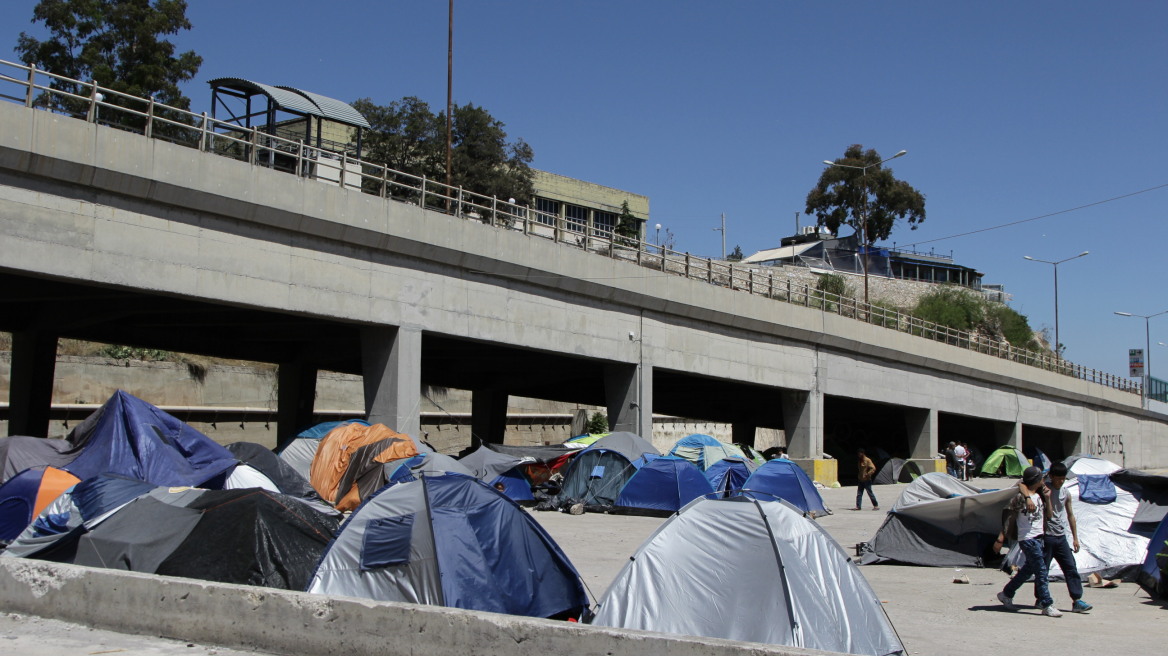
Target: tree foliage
[(407, 136), (116, 43), (845, 196), (736, 255), (963, 309), (597, 424), (628, 228)]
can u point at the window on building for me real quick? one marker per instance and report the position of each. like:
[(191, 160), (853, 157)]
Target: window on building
[(547, 210), (577, 217), (605, 223)]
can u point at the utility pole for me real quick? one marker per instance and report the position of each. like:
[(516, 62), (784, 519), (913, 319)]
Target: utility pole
[(723, 231), (449, 94)]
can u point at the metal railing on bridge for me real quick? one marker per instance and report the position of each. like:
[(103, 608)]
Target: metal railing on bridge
[(87, 101)]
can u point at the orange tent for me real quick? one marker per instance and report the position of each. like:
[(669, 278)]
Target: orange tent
[(351, 454)]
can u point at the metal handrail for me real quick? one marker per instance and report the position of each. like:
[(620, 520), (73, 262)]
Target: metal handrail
[(293, 156)]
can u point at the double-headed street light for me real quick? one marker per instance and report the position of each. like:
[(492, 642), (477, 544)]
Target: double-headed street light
[(1147, 349), (1057, 343), (864, 212)]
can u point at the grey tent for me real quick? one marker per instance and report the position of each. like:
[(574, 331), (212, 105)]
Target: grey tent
[(744, 569), (939, 521), (897, 470), (20, 452), (450, 540), (627, 444)]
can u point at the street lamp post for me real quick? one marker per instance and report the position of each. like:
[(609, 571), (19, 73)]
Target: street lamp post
[(658, 236), (1057, 343), (1147, 349), (864, 214)]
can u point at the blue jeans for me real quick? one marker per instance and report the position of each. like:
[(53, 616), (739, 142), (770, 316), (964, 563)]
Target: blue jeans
[(866, 485), (1035, 566), (1059, 548)]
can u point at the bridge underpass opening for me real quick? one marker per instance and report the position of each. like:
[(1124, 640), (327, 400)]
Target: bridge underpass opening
[(746, 406), (851, 424), (1057, 444), (982, 436)]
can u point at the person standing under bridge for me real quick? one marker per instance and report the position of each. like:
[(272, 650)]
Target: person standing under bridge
[(866, 472)]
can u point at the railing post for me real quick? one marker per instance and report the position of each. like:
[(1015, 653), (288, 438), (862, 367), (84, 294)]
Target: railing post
[(30, 92), (203, 134), (494, 209), (149, 132), (299, 158), (458, 205), (344, 167), (255, 140), (384, 181), (91, 116), (422, 197), (687, 265)]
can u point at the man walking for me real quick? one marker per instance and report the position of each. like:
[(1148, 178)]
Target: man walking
[(866, 471), (1055, 544), (1024, 520)]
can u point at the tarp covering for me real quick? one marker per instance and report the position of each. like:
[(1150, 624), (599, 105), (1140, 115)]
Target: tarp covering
[(350, 451), (450, 540), (19, 452), (1151, 490), (785, 480), (299, 452), (130, 437), (1006, 460), (26, 494), (252, 537), (730, 474), (704, 450), (751, 570), (939, 521), (663, 486)]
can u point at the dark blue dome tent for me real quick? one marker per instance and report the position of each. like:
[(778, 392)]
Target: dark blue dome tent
[(730, 474), (785, 480), (662, 486), (450, 540)]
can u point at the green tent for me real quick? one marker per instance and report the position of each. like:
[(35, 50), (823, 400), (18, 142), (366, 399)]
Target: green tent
[(1006, 460)]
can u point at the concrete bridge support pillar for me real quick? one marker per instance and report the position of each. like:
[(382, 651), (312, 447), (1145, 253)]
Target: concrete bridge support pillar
[(296, 399), (30, 395), (803, 423), (488, 415), (923, 438), (1008, 432), (628, 391), (391, 364)]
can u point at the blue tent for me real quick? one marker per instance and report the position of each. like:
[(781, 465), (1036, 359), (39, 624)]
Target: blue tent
[(130, 437), (785, 480), (704, 451), (1151, 574), (663, 485), (450, 540), (729, 474), (320, 430), (493, 467)]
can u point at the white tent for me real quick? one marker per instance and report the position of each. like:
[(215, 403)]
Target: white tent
[(744, 569)]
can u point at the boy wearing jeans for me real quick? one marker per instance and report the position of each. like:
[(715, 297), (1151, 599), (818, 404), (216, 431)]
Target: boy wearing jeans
[(1055, 545), (1025, 518)]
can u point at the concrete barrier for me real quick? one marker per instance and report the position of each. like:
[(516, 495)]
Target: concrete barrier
[(284, 622)]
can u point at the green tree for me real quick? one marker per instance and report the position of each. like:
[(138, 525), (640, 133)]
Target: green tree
[(961, 309), (116, 43), (407, 136), (404, 136), (735, 255), (482, 159), (597, 424), (844, 195), (628, 228)]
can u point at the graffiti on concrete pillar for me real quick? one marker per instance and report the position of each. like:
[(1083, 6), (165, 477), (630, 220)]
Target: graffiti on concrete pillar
[(1107, 445)]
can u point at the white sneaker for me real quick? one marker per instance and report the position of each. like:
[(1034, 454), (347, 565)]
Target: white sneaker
[(1006, 601), (1051, 611)]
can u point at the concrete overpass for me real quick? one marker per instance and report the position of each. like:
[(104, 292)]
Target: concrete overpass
[(110, 236)]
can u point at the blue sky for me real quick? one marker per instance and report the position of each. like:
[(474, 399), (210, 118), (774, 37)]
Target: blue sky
[(1009, 111)]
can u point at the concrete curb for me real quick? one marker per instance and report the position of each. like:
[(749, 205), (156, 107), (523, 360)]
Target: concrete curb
[(284, 622)]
